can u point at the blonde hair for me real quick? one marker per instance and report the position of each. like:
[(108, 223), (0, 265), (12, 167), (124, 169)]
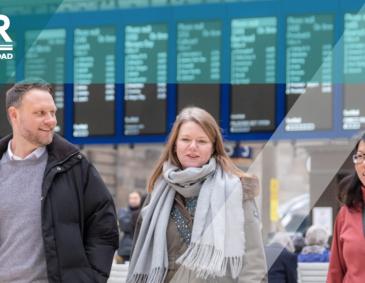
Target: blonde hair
[(210, 127)]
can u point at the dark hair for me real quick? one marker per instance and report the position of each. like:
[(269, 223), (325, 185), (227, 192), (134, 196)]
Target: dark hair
[(15, 94), (299, 243), (350, 192)]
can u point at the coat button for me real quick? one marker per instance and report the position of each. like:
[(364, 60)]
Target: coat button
[(59, 168), (79, 156)]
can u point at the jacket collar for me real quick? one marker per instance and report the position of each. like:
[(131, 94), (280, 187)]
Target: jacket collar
[(4, 144), (58, 150)]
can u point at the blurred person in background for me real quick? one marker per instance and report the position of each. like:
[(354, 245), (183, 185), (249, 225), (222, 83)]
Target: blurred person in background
[(281, 260), (200, 222), (348, 244), (127, 218), (298, 242), (316, 248)]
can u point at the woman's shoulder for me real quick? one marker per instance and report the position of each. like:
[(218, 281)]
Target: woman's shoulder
[(345, 210), (345, 214), (342, 213), (251, 186)]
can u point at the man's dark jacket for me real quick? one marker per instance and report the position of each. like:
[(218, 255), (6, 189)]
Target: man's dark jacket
[(282, 264), (79, 225)]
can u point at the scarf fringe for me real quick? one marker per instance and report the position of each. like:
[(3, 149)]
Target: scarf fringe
[(206, 261), (155, 276)]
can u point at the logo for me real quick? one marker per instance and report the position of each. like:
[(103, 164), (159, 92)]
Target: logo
[(6, 45)]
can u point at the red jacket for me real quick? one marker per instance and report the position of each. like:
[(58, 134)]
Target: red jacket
[(348, 248)]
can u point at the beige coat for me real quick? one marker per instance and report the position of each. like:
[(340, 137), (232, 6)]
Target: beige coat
[(254, 270)]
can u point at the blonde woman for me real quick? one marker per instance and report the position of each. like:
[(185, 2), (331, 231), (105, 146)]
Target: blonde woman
[(200, 223)]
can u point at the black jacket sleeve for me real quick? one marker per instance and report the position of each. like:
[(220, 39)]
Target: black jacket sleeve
[(291, 271), (101, 234)]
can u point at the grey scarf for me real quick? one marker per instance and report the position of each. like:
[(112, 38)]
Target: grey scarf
[(217, 241)]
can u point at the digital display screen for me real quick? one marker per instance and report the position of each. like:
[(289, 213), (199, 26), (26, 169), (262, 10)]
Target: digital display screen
[(353, 114), (45, 59), (253, 76), (94, 82), (145, 90), (198, 65), (309, 58), (11, 7), (183, 2)]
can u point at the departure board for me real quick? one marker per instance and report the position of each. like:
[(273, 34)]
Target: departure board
[(253, 77), (183, 2), (45, 59), (159, 2), (198, 65), (133, 3), (11, 7), (94, 82), (353, 114), (145, 69), (309, 58)]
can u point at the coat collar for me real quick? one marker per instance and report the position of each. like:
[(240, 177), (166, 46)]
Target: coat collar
[(58, 150)]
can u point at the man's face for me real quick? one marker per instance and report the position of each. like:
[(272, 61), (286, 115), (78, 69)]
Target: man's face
[(35, 119)]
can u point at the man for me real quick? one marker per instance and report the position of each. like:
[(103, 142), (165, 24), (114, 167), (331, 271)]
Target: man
[(57, 219)]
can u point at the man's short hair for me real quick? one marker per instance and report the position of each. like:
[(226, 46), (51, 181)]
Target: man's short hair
[(15, 94)]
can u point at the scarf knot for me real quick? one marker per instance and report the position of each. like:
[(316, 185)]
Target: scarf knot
[(188, 182)]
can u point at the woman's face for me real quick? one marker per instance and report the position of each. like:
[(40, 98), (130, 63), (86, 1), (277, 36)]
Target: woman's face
[(193, 147), (360, 167)]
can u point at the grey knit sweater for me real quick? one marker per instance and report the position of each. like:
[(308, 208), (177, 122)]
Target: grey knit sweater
[(22, 256)]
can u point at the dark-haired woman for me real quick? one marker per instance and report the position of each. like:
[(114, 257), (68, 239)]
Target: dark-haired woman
[(348, 246)]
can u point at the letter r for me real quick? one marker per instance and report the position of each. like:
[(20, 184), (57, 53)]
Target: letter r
[(4, 27)]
